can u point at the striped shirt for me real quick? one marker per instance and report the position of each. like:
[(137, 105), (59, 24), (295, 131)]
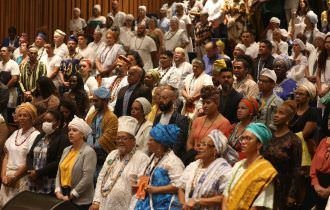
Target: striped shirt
[(29, 77)]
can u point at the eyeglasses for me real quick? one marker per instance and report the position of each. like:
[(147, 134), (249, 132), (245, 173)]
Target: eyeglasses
[(122, 139)]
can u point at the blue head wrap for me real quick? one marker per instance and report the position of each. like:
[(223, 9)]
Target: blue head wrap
[(166, 135), (102, 92), (41, 35), (261, 131), (73, 38)]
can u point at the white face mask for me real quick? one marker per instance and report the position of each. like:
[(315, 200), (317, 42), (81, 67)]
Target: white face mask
[(47, 127)]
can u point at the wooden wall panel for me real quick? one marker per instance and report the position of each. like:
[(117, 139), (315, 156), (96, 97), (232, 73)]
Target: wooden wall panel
[(31, 16)]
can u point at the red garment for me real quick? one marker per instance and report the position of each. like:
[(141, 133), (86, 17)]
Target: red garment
[(320, 163)]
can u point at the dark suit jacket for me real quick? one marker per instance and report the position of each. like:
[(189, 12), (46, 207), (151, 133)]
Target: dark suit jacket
[(139, 91), (257, 69), (228, 105), (55, 148), (184, 124)]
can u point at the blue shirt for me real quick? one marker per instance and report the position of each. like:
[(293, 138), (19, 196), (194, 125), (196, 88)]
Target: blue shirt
[(209, 63)]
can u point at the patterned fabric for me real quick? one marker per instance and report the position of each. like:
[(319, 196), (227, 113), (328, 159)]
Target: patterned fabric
[(29, 77), (202, 33), (44, 184), (70, 65)]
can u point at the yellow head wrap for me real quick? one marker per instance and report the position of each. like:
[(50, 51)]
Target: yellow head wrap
[(31, 109), (218, 65)]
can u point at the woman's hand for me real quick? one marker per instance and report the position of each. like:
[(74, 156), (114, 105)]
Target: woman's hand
[(66, 198), (151, 189), (59, 195), (191, 204), (94, 206)]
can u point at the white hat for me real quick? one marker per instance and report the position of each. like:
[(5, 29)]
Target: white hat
[(269, 73), (179, 49), (309, 87), (241, 47), (77, 9), (98, 7), (127, 124), (312, 17), (144, 8), (275, 20), (58, 32), (300, 43), (284, 32), (80, 125), (146, 106), (320, 35)]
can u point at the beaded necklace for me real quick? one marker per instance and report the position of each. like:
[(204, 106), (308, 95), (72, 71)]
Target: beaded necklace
[(19, 144), (137, 48), (105, 191)]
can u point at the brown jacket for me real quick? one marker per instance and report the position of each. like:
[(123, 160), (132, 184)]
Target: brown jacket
[(109, 129)]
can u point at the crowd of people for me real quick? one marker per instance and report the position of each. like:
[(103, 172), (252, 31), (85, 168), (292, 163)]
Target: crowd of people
[(200, 107)]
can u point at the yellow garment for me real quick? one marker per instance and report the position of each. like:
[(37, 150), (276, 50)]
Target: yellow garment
[(66, 167), (324, 18), (153, 113), (253, 181), (305, 156)]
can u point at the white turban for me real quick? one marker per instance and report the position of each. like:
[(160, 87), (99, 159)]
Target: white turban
[(127, 124), (59, 32), (275, 20), (77, 9), (98, 7), (220, 141), (269, 73), (241, 47), (144, 8), (309, 87), (146, 106), (312, 17), (179, 49), (320, 35), (81, 126), (300, 43)]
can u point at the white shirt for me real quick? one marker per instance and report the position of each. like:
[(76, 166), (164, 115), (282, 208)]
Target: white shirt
[(252, 50), (169, 77), (96, 47), (114, 89), (213, 7), (184, 69), (87, 52), (61, 50), (108, 54), (120, 196), (77, 25), (175, 39), (126, 35), (119, 18), (102, 19), (144, 46), (51, 63), (13, 68), (90, 85)]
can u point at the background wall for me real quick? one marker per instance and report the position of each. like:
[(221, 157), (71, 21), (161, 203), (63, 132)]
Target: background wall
[(46, 15)]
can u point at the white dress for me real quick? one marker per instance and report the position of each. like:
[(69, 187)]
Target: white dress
[(120, 196), (109, 54), (175, 39), (108, 82), (18, 146)]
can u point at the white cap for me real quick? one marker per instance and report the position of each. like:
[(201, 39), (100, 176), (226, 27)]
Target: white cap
[(275, 20), (98, 7), (269, 73), (241, 47), (127, 124), (312, 17), (144, 8)]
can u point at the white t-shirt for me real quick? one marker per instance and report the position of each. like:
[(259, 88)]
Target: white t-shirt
[(144, 46), (51, 63), (90, 85), (12, 67), (125, 36), (86, 53), (77, 25), (61, 50)]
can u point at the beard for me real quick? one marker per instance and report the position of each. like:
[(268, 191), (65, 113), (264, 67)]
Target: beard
[(226, 86), (166, 107)]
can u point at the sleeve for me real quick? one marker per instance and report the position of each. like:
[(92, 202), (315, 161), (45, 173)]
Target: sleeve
[(183, 181), (83, 23), (109, 127), (15, 69), (92, 84), (266, 198), (318, 152), (152, 45), (226, 170), (175, 170), (88, 170), (208, 81), (57, 179), (58, 61)]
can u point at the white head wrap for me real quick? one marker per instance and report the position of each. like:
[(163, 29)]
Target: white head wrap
[(312, 17), (241, 47), (80, 125), (309, 87), (58, 32), (300, 43), (269, 73), (179, 49), (77, 9), (320, 35), (146, 106), (219, 140), (98, 7), (144, 8), (275, 20), (129, 17), (127, 124)]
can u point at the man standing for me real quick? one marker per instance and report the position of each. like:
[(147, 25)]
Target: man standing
[(146, 48), (243, 84), (83, 48), (120, 170), (53, 63), (268, 100), (132, 91), (264, 60), (31, 71), (175, 37), (39, 42), (229, 97), (60, 47), (104, 126), (252, 48), (118, 16), (211, 55), (183, 68), (97, 44), (170, 115), (166, 70), (9, 74)]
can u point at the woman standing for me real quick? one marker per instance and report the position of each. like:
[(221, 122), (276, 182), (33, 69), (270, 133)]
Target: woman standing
[(300, 65), (323, 73), (74, 179), (246, 112), (284, 152), (203, 181), (140, 109), (320, 173), (45, 153), (158, 184), (211, 120), (90, 83), (16, 149)]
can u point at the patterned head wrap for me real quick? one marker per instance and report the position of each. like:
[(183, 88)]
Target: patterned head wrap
[(219, 140)]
